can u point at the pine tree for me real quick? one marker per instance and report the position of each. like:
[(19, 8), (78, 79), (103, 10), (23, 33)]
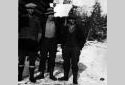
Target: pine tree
[(98, 23)]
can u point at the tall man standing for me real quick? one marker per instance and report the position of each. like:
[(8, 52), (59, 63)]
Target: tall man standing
[(48, 45), (73, 41), (29, 34)]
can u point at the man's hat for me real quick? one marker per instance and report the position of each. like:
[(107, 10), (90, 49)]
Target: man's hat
[(50, 11), (30, 5), (72, 16)]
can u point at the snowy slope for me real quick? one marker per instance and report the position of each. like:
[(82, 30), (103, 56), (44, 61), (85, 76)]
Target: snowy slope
[(92, 67)]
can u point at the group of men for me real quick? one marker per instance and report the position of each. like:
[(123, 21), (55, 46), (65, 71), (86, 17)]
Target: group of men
[(34, 37)]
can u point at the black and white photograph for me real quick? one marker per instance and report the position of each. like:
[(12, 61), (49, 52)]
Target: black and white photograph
[(62, 42)]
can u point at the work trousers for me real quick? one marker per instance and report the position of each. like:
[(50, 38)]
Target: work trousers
[(70, 55), (48, 46)]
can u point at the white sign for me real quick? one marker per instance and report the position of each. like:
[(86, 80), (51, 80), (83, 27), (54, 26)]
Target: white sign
[(62, 10)]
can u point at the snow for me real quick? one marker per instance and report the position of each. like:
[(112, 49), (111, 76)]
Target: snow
[(92, 67), (93, 55)]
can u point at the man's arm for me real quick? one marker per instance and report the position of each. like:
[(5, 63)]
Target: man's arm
[(81, 35), (39, 30)]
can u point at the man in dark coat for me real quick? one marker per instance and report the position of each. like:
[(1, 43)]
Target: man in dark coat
[(48, 44), (72, 42), (29, 35)]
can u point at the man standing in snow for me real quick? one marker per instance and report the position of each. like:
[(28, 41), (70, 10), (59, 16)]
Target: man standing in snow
[(73, 41), (29, 35), (48, 44)]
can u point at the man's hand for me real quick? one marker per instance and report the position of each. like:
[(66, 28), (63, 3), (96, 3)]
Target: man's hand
[(39, 36)]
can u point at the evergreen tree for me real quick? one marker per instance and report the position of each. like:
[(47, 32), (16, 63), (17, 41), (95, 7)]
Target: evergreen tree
[(98, 23)]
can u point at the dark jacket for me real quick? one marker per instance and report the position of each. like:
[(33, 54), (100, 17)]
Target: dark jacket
[(78, 36)]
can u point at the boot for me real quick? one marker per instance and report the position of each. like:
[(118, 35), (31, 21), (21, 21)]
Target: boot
[(51, 75), (75, 80), (66, 72), (65, 77), (66, 67), (53, 78), (41, 76), (20, 73), (75, 77), (31, 70)]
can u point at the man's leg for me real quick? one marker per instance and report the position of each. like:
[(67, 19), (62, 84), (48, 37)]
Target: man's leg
[(66, 63), (21, 58), (51, 60), (32, 52), (21, 67), (32, 59), (43, 58), (74, 62)]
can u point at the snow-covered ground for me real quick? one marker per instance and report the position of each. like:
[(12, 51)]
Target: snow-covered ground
[(92, 67), (93, 56)]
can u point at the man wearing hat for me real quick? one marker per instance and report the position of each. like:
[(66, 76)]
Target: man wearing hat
[(29, 35), (48, 44), (72, 42)]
